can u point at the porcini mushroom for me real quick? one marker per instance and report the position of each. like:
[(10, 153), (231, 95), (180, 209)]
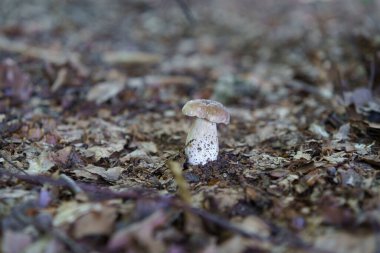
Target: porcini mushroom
[(202, 143)]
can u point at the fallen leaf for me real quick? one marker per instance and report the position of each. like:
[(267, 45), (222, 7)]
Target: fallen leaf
[(62, 156), (253, 224), (96, 222), (148, 147), (131, 58), (70, 211), (319, 130), (111, 174), (102, 92), (350, 177), (99, 152), (302, 155), (136, 154), (69, 133), (40, 164), (343, 132), (336, 158)]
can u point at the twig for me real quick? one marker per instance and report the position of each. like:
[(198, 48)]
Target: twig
[(186, 11), (372, 73), (71, 183)]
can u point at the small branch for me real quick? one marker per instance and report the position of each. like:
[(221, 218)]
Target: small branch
[(186, 11), (71, 183), (372, 73)]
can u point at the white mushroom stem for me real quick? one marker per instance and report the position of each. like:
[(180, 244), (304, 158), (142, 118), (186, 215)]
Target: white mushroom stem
[(202, 142)]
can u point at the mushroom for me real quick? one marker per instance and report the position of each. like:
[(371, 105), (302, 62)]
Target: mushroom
[(202, 140)]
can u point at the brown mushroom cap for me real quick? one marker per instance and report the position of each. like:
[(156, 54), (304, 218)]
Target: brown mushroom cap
[(207, 109)]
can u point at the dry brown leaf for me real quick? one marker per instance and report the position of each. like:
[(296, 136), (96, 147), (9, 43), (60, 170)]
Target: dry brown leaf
[(110, 174), (98, 221), (62, 156)]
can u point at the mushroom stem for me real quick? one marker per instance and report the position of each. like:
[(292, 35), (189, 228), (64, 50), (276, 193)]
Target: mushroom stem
[(202, 142)]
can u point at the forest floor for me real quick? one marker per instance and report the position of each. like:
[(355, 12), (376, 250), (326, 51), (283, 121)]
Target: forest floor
[(93, 137)]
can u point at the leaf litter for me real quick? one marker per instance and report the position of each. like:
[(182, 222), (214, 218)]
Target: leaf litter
[(92, 134)]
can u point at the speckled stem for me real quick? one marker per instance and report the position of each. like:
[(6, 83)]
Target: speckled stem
[(202, 142)]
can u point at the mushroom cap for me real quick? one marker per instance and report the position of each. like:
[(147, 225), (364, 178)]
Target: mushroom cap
[(207, 109)]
